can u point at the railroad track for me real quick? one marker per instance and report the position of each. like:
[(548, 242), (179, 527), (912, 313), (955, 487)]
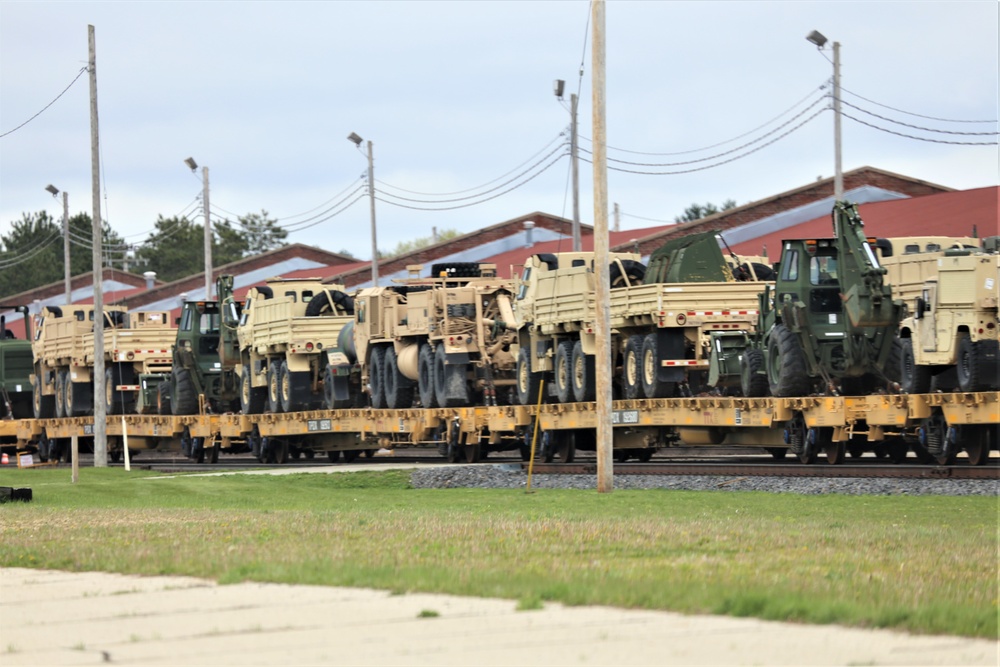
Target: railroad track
[(776, 470)]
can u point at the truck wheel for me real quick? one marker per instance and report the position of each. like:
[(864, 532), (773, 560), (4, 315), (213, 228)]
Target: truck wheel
[(913, 379), (786, 364), (397, 387), (273, 388), (425, 376), (183, 397), (450, 384), (60, 398), (42, 406), (78, 397), (564, 371), (977, 365), (634, 271), (118, 402), (527, 382), (632, 368), (376, 372), (163, 398), (584, 381), (320, 304), (293, 395), (653, 387), (252, 398), (753, 379)]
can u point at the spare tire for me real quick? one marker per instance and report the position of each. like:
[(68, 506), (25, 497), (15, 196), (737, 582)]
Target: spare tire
[(634, 271), (320, 303), (264, 291), (456, 270)]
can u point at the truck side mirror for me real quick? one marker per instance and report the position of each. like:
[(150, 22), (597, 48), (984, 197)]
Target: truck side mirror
[(921, 306)]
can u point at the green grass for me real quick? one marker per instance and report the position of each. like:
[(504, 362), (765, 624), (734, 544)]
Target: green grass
[(924, 564)]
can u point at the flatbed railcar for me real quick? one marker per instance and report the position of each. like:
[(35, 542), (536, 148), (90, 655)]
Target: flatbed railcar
[(935, 426)]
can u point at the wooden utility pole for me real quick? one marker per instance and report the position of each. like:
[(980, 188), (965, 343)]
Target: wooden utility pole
[(100, 411), (602, 328), (208, 233), (574, 148), (67, 274)]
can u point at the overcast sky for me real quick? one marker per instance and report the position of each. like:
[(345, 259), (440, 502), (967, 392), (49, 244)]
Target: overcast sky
[(457, 98)]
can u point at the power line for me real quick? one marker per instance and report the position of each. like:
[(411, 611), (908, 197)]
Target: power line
[(910, 113), (639, 217), (78, 75), (316, 208), (910, 136), (917, 127)]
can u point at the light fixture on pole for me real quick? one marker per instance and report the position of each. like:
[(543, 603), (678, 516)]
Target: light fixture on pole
[(54, 191), (356, 140), (817, 38), (193, 166), (558, 87)]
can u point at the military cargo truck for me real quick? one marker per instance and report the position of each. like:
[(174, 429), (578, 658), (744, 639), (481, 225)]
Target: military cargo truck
[(15, 368), (445, 337), (951, 288), (134, 344), (288, 331), (661, 330)]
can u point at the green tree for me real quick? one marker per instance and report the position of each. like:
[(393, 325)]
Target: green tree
[(404, 247), (31, 253), (697, 211), (175, 249), (261, 233)]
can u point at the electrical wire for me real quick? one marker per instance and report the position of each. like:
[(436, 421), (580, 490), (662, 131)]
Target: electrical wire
[(22, 255), (78, 75), (499, 194), (639, 217), (910, 113), (484, 192), (910, 136), (334, 213), (559, 136), (917, 127), (732, 150), (719, 164), (316, 208)]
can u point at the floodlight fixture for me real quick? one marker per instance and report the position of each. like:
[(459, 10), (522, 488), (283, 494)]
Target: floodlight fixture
[(557, 87), (53, 190), (192, 165), (817, 38), (353, 136)]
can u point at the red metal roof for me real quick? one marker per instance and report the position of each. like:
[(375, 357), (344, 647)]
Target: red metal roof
[(946, 214)]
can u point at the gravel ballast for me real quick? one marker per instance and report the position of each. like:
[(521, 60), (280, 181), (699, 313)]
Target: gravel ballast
[(506, 476)]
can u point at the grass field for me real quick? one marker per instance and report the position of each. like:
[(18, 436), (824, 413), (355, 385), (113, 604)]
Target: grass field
[(923, 564)]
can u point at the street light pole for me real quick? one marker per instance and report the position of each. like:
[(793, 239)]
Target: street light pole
[(371, 195), (575, 162), (193, 166), (65, 226), (817, 38)]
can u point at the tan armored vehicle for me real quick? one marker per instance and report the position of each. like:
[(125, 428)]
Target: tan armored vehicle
[(951, 287), (135, 344), (445, 337), (289, 354), (661, 332)]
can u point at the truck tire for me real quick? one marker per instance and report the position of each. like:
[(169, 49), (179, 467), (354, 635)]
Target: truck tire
[(913, 379), (787, 373), (753, 376), (183, 397), (634, 271), (60, 397), (118, 402), (78, 397), (252, 399), (527, 381), (273, 387), (163, 398), (320, 304), (564, 371), (652, 386), (294, 389), (584, 380), (376, 373), (425, 376), (450, 384), (456, 270), (42, 406), (976, 365), (632, 368), (397, 387)]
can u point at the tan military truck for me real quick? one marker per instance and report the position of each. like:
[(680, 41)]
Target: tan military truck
[(288, 333), (135, 344), (661, 332), (445, 336), (951, 287)]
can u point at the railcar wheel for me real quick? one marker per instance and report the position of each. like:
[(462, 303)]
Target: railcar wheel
[(777, 453), (473, 453), (836, 452), (425, 376), (566, 447), (333, 456), (896, 449), (564, 371), (979, 440), (350, 455), (527, 381)]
